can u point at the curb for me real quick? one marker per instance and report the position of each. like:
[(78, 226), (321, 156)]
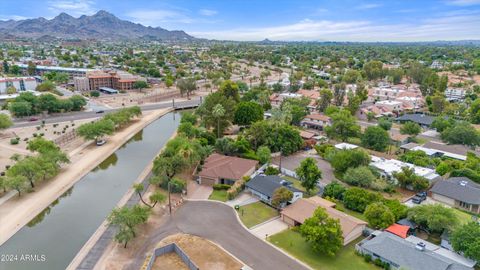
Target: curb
[(243, 225)]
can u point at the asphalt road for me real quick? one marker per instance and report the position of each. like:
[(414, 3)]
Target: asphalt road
[(218, 222), (49, 119)]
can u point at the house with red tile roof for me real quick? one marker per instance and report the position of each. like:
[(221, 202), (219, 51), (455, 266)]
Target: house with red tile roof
[(221, 169)]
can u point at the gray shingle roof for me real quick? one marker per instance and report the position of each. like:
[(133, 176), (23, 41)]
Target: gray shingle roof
[(458, 188), (267, 184), (421, 119), (401, 252)]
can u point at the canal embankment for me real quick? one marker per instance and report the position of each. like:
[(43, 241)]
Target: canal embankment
[(95, 247), (17, 212)]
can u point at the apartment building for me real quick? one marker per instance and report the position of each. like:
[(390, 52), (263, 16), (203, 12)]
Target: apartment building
[(19, 83), (94, 80)]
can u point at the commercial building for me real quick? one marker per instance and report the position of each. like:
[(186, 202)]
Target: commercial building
[(72, 72), (19, 83)]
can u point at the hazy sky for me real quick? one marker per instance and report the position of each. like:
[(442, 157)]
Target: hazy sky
[(320, 20)]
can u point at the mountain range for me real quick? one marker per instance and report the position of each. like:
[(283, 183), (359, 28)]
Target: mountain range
[(100, 26)]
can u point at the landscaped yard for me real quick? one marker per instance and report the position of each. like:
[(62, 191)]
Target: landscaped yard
[(293, 243), (298, 185), (218, 195), (340, 207), (463, 216), (256, 213)]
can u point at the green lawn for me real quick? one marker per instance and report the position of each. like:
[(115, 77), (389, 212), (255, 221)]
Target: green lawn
[(256, 213), (341, 207), (298, 185), (293, 243), (218, 195), (464, 217)]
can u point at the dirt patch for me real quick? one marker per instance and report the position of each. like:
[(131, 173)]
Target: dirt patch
[(169, 261), (204, 253)]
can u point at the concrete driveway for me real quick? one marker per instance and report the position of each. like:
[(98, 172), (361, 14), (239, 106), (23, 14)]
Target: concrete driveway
[(293, 161), (269, 228), (218, 222)]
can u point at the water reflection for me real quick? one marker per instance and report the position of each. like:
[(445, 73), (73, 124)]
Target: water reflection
[(39, 218), (107, 163)]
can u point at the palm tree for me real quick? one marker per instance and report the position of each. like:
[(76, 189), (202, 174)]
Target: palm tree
[(218, 112)]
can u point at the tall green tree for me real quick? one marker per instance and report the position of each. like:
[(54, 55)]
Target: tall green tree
[(466, 239), (434, 217), (323, 233), (325, 99), (343, 126), (375, 138), (379, 216), (187, 86), (218, 112), (309, 173), (247, 113), (410, 128), (281, 196), (126, 219)]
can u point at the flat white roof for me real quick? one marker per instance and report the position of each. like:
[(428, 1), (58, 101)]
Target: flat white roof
[(389, 102), (56, 68), (346, 146), (390, 166), (430, 151), (3, 97)]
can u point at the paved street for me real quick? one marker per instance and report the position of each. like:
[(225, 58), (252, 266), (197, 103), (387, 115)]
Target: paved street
[(91, 114), (218, 223)]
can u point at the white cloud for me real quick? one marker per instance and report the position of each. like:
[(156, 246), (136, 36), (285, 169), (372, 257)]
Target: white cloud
[(171, 16), (207, 12), (368, 6), (72, 7), (12, 17), (442, 28), (463, 2)]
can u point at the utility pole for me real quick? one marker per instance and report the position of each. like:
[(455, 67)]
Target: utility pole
[(169, 200), (173, 102)]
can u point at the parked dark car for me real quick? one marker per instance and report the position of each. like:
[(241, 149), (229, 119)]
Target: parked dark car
[(100, 111), (33, 119), (419, 197)]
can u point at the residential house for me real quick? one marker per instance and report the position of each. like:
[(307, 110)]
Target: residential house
[(316, 121), (296, 213), (387, 168), (263, 187), (313, 95), (411, 253), (220, 169), (460, 192), (436, 149), (455, 94), (421, 119)]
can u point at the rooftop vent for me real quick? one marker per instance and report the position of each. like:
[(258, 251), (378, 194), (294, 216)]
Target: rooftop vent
[(420, 246)]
